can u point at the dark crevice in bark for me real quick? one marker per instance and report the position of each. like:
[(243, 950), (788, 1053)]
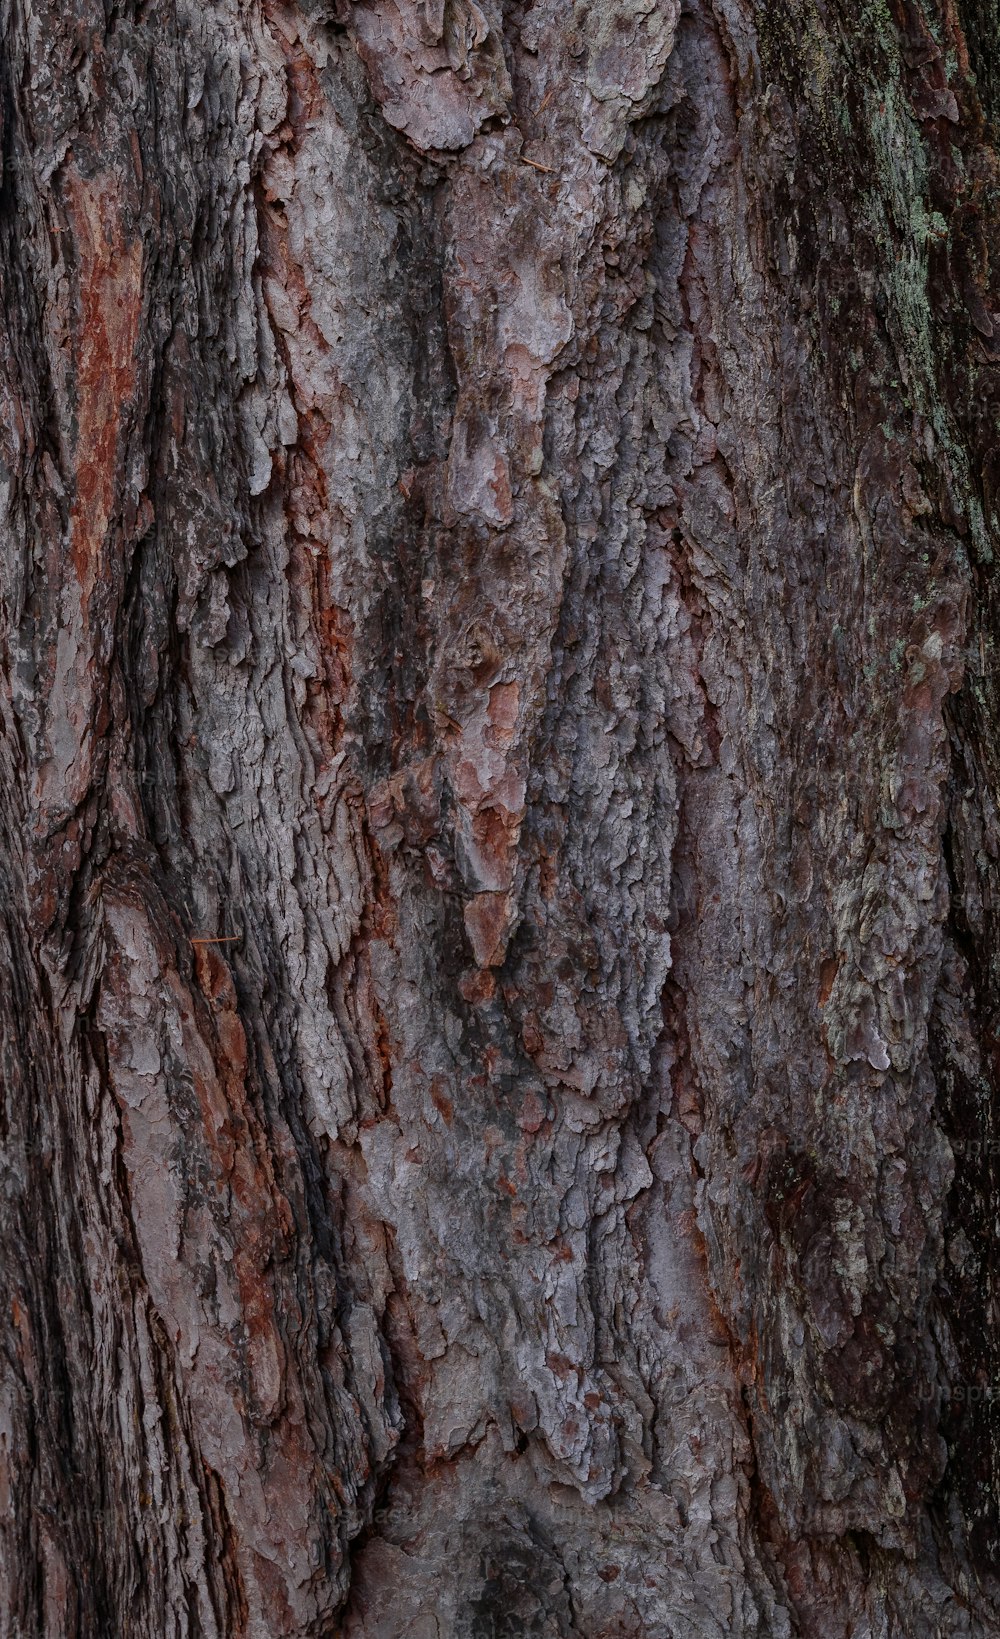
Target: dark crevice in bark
[(964, 1049)]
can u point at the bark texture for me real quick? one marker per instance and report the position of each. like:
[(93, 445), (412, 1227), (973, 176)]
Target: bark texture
[(499, 819)]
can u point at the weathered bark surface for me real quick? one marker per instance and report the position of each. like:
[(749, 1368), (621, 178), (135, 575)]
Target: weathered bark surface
[(498, 532)]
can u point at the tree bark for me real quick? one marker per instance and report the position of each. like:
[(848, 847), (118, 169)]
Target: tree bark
[(499, 829)]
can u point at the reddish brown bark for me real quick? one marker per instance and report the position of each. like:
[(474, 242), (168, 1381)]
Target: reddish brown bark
[(498, 819)]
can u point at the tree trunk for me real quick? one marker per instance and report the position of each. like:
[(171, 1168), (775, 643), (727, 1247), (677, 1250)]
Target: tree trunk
[(499, 819)]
